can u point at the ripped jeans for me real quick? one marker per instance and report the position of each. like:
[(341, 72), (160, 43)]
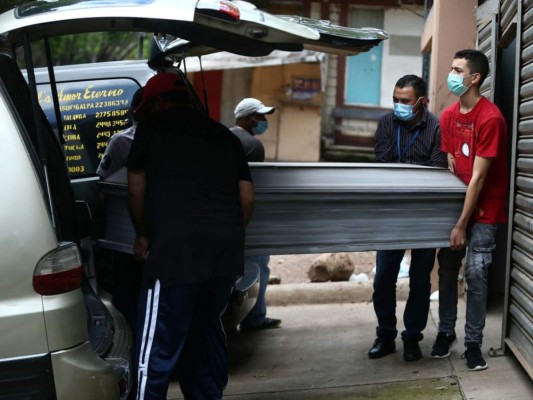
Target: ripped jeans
[(481, 245)]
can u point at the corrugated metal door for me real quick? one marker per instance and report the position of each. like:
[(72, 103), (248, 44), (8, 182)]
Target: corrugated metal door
[(518, 321), (487, 28)]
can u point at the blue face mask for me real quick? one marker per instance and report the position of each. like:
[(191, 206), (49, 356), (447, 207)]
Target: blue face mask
[(404, 112), (455, 84), (260, 128)]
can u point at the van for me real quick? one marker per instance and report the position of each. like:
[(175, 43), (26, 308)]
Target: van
[(45, 351), (62, 338)]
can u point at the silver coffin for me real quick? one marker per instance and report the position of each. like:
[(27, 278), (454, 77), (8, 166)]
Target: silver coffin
[(304, 208)]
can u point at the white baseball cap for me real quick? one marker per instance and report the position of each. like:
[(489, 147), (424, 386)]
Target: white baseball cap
[(251, 106)]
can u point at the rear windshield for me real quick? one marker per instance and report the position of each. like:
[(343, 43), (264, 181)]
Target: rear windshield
[(91, 111)]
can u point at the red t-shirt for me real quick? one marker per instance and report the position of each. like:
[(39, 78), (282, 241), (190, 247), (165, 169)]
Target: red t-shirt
[(481, 132)]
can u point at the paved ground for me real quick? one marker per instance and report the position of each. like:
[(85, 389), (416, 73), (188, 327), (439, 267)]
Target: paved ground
[(321, 353)]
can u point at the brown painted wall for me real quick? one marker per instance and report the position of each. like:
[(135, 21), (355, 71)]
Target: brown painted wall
[(294, 129)]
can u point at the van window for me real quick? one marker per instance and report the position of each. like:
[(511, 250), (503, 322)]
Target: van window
[(92, 111)]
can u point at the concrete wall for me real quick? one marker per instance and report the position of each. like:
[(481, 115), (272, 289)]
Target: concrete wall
[(405, 29), (450, 27)]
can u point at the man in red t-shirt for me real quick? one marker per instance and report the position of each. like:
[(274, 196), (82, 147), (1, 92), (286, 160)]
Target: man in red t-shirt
[(474, 135)]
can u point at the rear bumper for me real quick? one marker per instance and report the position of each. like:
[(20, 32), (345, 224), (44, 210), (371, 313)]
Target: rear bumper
[(76, 373), (80, 374)]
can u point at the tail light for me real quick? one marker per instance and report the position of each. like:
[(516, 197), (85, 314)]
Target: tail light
[(223, 10), (59, 271)]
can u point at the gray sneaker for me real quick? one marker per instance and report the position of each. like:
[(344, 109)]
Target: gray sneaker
[(474, 359), (443, 345)]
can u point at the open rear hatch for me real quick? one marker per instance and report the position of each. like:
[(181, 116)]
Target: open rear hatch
[(214, 25)]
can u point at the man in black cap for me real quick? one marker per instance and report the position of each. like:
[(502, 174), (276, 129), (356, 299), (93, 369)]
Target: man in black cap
[(190, 196)]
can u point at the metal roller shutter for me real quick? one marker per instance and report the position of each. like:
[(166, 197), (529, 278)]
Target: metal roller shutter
[(519, 297), (486, 42), (507, 13)]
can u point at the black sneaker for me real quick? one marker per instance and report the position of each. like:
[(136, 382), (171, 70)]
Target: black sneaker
[(474, 359), (443, 345)]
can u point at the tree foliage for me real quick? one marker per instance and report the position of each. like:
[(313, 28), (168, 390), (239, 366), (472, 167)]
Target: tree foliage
[(83, 48), (90, 48)]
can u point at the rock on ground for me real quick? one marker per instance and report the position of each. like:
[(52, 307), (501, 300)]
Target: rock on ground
[(293, 268), (331, 267)]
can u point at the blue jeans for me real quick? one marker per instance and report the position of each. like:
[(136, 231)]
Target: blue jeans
[(257, 314), (481, 245), (415, 316)]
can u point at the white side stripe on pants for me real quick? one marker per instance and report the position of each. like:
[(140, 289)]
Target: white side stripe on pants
[(150, 320)]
